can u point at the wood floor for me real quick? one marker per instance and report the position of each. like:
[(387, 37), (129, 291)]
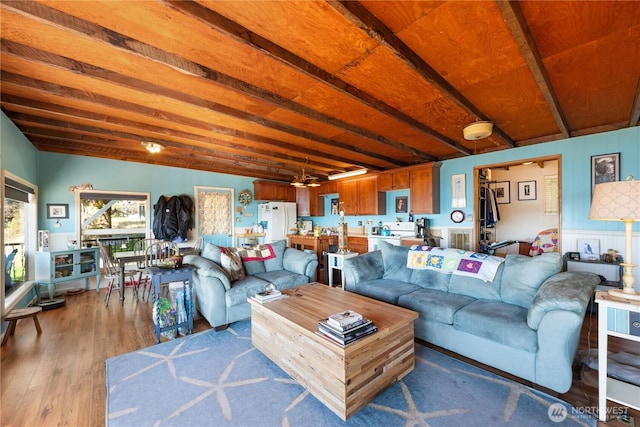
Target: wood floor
[(58, 378)]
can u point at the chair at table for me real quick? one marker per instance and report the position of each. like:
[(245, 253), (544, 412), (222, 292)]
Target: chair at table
[(140, 249), (112, 274), (157, 252)]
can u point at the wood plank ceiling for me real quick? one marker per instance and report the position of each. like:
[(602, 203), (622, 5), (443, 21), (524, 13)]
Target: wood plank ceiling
[(259, 88)]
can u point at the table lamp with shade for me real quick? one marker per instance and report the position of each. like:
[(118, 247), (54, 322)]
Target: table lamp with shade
[(620, 201)]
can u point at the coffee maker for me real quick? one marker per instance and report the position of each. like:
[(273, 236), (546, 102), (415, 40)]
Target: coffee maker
[(422, 224)]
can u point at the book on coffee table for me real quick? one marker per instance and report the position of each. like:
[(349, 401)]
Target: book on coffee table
[(344, 319), (349, 338), (268, 296)]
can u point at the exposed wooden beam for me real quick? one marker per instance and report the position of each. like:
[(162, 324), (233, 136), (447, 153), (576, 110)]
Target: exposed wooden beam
[(516, 22), (140, 85), (68, 92), (360, 16), (635, 108), (46, 109), (246, 36)]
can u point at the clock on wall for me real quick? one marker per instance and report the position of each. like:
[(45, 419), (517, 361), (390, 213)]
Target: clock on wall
[(457, 216), (245, 197)]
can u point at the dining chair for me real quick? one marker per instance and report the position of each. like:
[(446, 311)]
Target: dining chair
[(157, 252), (112, 274)]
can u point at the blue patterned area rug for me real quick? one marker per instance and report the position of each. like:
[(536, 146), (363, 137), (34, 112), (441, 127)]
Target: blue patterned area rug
[(220, 379)]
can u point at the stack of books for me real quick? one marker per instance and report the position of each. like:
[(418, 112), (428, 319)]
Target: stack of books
[(267, 296), (346, 327)]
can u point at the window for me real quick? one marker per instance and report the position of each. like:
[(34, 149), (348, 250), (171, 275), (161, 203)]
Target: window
[(120, 215), (551, 204), (19, 215)]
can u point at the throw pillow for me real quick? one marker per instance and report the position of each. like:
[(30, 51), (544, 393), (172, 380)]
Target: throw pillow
[(275, 264), (256, 253), (232, 263), (394, 259)]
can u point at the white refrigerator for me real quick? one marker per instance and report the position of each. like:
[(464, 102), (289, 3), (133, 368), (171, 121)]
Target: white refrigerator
[(277, 218)]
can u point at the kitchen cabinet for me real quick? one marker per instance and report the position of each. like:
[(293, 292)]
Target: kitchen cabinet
[(316, 201), (62, 266), (424, 189), (273, 191), (359, 244), (361, 196), (394, 180), (303, 201)]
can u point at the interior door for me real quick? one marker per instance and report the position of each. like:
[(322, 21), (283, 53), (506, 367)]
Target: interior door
[(526, 197)]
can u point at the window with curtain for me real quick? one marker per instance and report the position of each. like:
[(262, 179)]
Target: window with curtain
[(19, 214)]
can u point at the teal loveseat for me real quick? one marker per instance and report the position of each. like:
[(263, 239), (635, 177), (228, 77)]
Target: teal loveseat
[(222, 300), (525, 322)]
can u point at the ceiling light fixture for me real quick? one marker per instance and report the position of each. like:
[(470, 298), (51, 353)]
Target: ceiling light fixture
[(348, 174), (477, 130), (301, 180), (152, 147)]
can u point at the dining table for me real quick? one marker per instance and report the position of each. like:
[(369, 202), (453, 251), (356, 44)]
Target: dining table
[(124, 258)]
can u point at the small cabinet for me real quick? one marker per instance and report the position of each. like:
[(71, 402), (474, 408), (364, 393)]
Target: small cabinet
[(273, 191), (361, 196), (72, 264), (359, 244), (424, 189), (395, 180)]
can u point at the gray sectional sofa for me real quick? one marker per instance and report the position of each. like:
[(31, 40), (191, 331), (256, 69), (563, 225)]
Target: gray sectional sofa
[(525, 322), (222, 300)]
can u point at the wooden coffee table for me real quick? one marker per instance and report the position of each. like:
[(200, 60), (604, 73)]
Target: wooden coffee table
[(346, 378)]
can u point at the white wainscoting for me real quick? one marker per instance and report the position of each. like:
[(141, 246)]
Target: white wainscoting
[(607, 239)]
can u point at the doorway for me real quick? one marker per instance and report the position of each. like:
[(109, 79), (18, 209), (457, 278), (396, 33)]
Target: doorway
[(515, 201)]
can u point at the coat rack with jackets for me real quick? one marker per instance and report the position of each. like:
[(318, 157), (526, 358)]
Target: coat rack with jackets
[(172, 218)]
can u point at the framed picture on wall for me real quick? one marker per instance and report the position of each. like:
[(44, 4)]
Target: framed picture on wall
[(401, 204), (458, 195), (57, 210), (527, 190), (503, 192), (335, 206), (605, 168)]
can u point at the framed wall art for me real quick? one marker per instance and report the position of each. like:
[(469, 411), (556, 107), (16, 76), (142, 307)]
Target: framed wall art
[(605, 168), (458, 194), (57, 210), (503, 192), (401, 204), (527, 190)]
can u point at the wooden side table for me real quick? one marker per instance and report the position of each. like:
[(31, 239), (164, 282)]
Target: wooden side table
[(610, 388), (167, 275), (336, 261)]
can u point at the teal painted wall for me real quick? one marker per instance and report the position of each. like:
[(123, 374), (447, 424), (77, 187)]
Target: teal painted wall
[(59, 171), (576, 173), (17, 154)]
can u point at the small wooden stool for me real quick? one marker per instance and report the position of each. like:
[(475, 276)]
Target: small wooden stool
[(21, 313)]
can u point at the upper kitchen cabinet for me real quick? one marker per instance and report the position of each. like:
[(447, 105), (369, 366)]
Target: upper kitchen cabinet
[(394, 180), (273, 191), (361, 196), (424, 189)]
